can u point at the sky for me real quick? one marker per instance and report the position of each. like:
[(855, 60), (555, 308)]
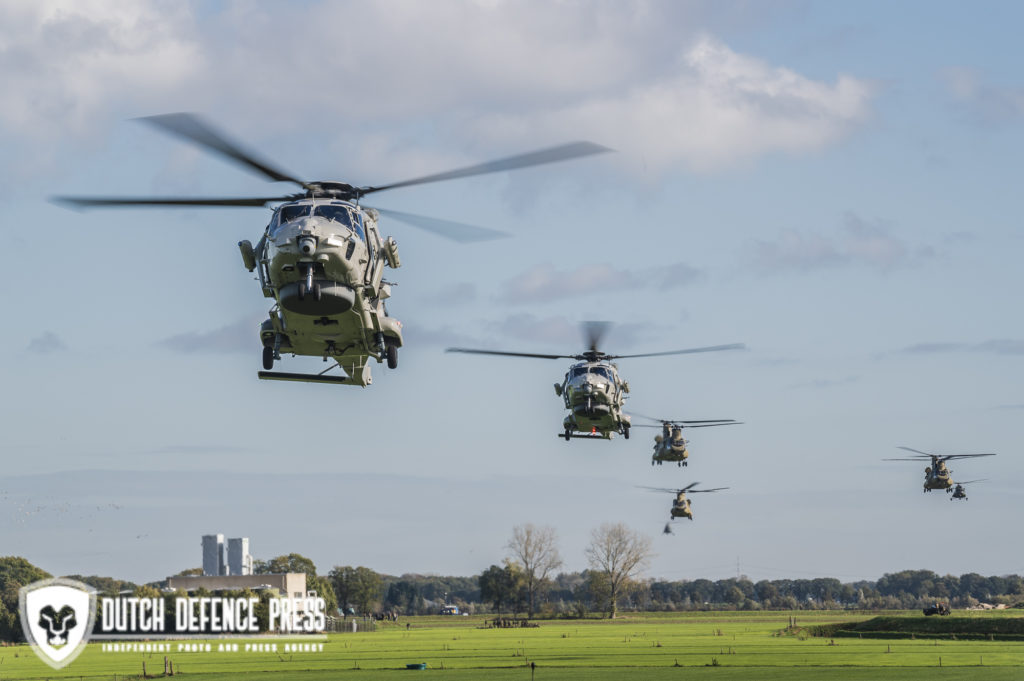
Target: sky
[(836, 185)]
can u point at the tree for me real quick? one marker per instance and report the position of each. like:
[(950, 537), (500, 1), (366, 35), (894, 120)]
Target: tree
[(534, 548), (618, 555), (293, 562), (359, 587), (502, 586)]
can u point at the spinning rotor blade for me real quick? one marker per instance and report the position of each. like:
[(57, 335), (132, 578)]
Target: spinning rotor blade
[(919, 458), (659, 489), (456, 231), (127, 202), (713, 348), (472, 351), (916, 451), (593, 332), (713, 489), (971, 482), (536, 158), (964, 456), (192, 128)]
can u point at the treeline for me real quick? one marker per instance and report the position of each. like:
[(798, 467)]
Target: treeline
[(572, 594)]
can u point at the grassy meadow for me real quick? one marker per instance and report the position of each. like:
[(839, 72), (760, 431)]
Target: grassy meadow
[(712, 645)]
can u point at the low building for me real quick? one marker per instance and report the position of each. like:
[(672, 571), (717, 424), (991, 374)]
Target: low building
[(290, 584)]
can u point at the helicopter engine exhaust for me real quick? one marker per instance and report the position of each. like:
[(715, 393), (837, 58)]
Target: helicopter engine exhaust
[(307, 245)]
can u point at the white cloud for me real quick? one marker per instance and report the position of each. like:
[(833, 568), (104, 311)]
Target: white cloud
[(988, 103), (66, 62), (858, 242), (544, 282), (718, 108), (480, 77)]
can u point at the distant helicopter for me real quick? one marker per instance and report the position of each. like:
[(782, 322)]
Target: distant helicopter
[(592, 390), (937, 475), (322, 257), (670, 445), (681, 506), (960, 491)]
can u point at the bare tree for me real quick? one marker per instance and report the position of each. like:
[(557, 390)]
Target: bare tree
[(535, 549), (617, 554)]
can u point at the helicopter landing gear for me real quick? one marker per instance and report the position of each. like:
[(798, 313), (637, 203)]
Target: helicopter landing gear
[(392, 354), (268, 357), (625, 432), (567, 435)]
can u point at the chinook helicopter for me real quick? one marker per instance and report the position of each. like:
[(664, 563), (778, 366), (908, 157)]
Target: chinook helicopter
[(322, 256), (681, 506), (937, 475), (670, 445), (592, 390)]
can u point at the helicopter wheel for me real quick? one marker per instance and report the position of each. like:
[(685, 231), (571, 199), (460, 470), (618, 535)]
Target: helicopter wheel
[(268, 358), (392, 353), (302, 290), (625, 433), (318, 295), (568, 435)]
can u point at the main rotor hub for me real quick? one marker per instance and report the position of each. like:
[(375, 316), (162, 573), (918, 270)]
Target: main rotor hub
[(332, 190)]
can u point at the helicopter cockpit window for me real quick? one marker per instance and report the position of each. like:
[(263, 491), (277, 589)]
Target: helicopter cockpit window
[(290, 213), (342, 215), (601, 371), (579, 371)]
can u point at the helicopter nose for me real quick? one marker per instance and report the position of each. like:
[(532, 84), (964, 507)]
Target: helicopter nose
[(307, 245)]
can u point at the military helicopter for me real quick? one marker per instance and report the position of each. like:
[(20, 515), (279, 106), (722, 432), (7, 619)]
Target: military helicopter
[(960, 492), (681, 506), (670, 445), (592, 390), (937, 475), (322, 256)]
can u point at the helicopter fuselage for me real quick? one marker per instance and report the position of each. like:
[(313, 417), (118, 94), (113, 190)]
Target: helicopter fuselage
[(670, 446), (681, 507), (938, 477), (322, 261), (594, 396)]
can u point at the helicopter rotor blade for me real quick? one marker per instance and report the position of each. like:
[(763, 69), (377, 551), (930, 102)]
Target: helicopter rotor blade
[(594, 332), (713, 489), (919, 459), (192, 128), (456, 231), (713, 348), (971, 482), (128, 202), (472, 351), (563, 152), (964, 456), (658, 489), (916, 451), (686, 424)]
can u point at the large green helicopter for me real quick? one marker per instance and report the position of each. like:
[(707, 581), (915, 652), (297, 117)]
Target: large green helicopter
[(592, 390), (671, 445), (937, 475), (322, 256)]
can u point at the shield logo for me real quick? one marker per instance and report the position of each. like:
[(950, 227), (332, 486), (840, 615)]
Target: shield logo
[(57, 616)]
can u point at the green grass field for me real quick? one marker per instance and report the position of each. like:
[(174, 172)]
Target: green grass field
[(725, 646)]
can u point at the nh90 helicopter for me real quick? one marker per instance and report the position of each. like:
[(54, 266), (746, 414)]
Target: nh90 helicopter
[(592, 390), (960, 492), (681, 505), (671, 445), (937, 475), (322, 256)]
